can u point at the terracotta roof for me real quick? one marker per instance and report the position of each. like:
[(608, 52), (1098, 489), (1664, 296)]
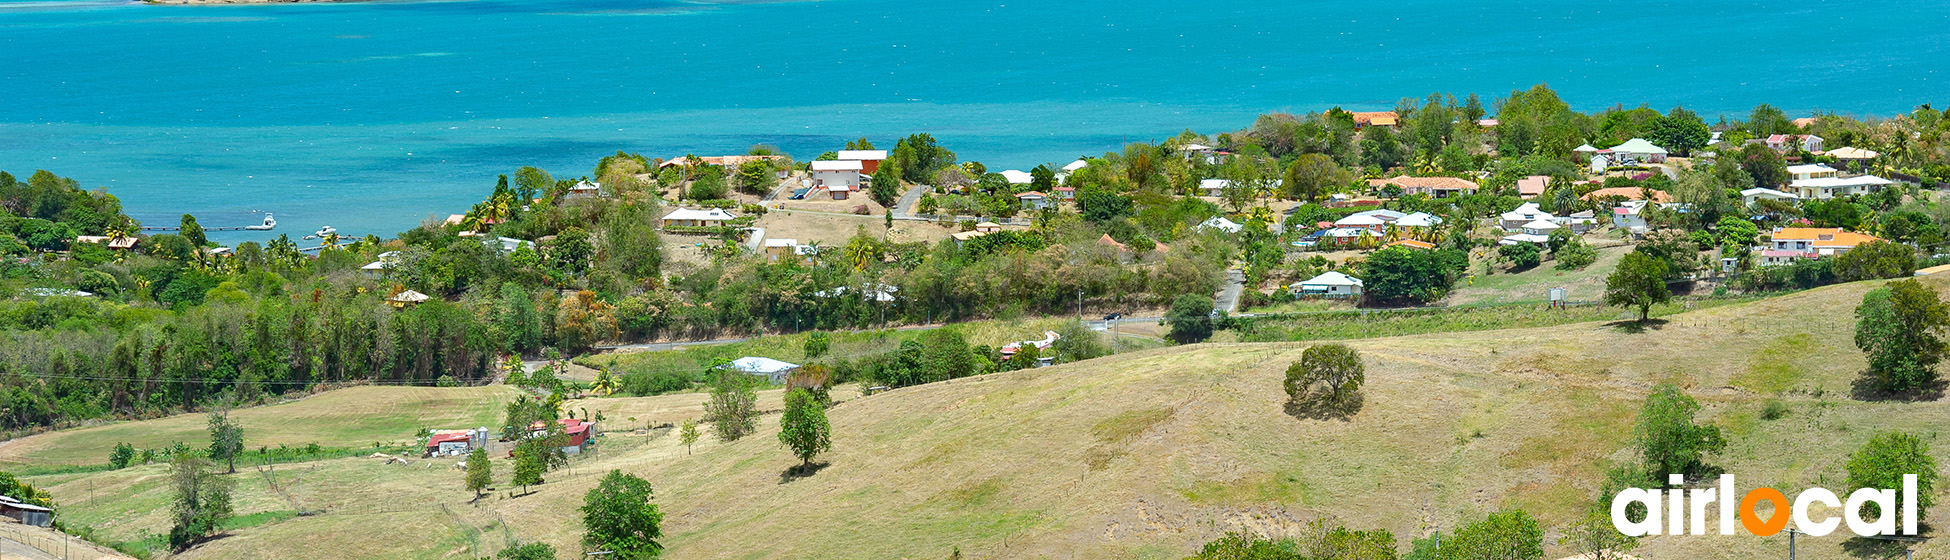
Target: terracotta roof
[(1381, 118), (1430, 183), (1412, 243), (1532, 185), (1630, 193), (1824, 237)]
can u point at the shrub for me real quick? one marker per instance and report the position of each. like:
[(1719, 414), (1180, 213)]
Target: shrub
[(1881, 464), (1190, 319), (1666, 436)]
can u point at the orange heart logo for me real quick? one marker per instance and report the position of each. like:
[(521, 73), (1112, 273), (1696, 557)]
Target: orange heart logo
[(1752, 521)]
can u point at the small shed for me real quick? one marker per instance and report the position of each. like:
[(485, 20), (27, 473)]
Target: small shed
[(407, 298), (773, 370), (1329, 284), (25, 513)]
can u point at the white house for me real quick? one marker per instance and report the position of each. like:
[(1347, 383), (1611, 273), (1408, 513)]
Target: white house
[(1328, 284), (1638, 150), (774, 370), (1831, 187), (1630, 216), (1213, 187), (1812, 171), (690, 217), (841, 173), (1808, 142), (378, 268), (1750, 196), (1033, 200), (1541, 227), (1221, 224), (1072, 167), (1523, 214), (584, 189), (1018, 177)]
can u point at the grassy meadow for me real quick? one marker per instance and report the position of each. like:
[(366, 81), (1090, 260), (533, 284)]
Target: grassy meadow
[(1142, 455)]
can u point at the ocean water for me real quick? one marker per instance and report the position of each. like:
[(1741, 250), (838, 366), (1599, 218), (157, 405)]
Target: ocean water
[(371, 116)]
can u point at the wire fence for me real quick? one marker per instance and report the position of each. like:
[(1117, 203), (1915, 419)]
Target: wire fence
[(55, 544)]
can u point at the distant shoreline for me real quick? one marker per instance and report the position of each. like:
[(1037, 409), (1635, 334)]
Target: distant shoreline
[(215, 2)]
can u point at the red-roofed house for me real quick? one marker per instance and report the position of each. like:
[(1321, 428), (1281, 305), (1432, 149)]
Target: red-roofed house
[(1433, 187), (1376, 118), (1629, 193), (1809, 142), (1532, 186)]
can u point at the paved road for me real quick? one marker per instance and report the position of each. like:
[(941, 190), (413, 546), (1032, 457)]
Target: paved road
[(904, 204), (1229, 295)]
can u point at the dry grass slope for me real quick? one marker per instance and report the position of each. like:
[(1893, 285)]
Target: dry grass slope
[(1148, 454)]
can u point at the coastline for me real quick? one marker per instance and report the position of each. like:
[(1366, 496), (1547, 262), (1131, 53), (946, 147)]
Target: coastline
[(242, 2)]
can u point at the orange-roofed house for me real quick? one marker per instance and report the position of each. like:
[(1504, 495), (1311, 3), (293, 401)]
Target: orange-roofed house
[(1412, 244), (1376, 118), (1629, 193), (1432, 187), (1792, 243)]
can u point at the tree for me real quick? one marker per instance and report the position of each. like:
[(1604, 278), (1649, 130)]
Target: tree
[(202, 501), (756, 177), (1101, 206), (527, 551), (817, 343), (733, 408), (1520, 256), (804, 427), (121, 456), (226, 438), (1666, 436), (1190, 319), (1403, 274), (1736, 232), (519, 324), (192, 231), (533, 456), (1900, 326), (1876, 260), (1077, 342), (617, 516), (531, 182), (886, 186), (1764, 165), (605, 383), (1504, 535), (687, 435), (1328, 374), (1881, 464), (1680, 131), (1379, 149), (1311, 177), (571, 250), (1595, 538), (1640, 281), (480, 473), (708, 185)]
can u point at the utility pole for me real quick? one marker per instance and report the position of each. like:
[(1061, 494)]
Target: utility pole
[(1079, 306), (1791, 533)]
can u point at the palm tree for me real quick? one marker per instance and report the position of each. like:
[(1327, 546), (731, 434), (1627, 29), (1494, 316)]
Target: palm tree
[(605, 383)]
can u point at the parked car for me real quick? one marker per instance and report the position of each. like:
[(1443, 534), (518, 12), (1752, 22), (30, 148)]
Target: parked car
[(1113, 316)]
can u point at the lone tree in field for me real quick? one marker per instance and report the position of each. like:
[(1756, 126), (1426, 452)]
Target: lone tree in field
[(226, 439), (1639, 282), (1899, 326), (804, 427), (817, 344), (1505, 535), (480, 474), (202, 501), (1595, 538), (1190, 319), (688, 435), (1667, 437), (1329, 375), (733, 408), (618, 517), (1881, 464)]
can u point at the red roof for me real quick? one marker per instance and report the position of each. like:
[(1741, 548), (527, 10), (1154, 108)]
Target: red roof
[(438, 439)]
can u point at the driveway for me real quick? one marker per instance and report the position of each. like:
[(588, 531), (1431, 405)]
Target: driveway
[(1229, 295)]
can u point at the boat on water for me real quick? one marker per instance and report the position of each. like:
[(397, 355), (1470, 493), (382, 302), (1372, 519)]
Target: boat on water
[(324, 231), (268, 224)]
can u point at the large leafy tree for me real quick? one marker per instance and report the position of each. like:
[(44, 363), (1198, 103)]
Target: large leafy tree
[(1504, 535), (803, 427), (480, 473), (1881, 464), (1311, 177), (1876, 260), (1666, 436), (1900, 326), (1680, 131), (1331, 374), (1403, 274), (202, 501), (733, 408), (618, 517), (1640, 282), (1189, 319)]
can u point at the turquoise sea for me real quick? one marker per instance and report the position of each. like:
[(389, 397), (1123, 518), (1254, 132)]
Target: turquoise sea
[(370, 116)]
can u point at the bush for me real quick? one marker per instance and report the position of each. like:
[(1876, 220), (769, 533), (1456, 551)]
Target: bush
[(1666, 436), (121, 456), (1327, 379), (1520, 256), (1881, 464), (1900, 327), (1190, 319), (1574, 255)]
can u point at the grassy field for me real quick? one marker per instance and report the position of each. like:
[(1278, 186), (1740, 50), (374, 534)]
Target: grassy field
[(1534, 284), (1142, 455), (353, 417), (1373, 324)]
